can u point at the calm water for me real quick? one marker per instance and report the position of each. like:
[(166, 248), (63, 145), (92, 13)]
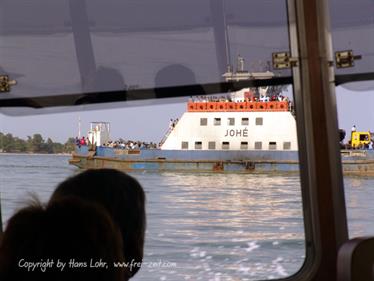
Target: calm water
[(202, 226)]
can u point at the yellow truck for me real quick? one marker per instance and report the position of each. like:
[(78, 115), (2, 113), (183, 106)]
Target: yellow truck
[(360, 139)]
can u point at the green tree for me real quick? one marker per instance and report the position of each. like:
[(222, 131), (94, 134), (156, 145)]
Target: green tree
[(19, 145), (58, 147), (48, 147), (29, 144), (69, 145), (34, 144), (37, 143), (1, 142), (7, 143)]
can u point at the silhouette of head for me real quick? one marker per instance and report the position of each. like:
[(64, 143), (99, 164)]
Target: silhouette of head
[(174, 75), (124, 199), (38, 240), (108, 79)]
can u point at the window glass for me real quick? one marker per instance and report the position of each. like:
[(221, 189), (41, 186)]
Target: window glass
[(203, 121), (231, 121), (244, 145), (259, 121), (184, 144), (245, 121), (286, 145), (353, 32), (272, 145), (221, 214), (254, 221), (258, 145), (212, 145), (217, 121), (198, 144), (356, 120), (94, 46), (225, 145)]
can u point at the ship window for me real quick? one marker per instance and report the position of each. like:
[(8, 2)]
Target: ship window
[(272, 145), (212, 145), (259, 121), (217, 121), (231, 121), (287, 145), (225, 145), (258, 145), (184, 144), (203, 121), (244, 145), (198, 144), (245, 121), (364, 137)]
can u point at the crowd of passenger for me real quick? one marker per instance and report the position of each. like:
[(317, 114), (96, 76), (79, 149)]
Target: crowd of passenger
[(121, 144), (249, 98), (92, 228), (173, 123), (129, 144), (81, 141)]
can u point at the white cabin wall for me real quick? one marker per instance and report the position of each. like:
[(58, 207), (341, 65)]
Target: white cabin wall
[(99, 133), (277, 127)]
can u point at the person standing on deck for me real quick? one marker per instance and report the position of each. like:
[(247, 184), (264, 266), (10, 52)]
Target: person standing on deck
[(171, 124), (352, 131)]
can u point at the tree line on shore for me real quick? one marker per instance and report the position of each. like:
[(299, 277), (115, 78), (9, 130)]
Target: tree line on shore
[(34, 144)]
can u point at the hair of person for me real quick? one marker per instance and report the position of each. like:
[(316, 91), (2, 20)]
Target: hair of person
[(69, 231), (124, 199)]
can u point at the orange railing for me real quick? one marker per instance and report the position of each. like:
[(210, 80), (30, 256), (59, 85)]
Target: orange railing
[(220, 106)]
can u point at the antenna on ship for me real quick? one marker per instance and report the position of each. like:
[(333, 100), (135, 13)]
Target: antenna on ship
[(79, 126), (240, 64), (229, 69), (1, 217)]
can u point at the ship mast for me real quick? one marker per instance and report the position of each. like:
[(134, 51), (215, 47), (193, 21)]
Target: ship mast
[(242, 74), (79, 127)]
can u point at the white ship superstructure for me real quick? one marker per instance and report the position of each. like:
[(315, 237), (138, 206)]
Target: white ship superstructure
[(234, 129), (249, 119)]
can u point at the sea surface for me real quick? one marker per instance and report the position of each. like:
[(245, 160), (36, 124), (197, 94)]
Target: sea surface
[(203, 226)]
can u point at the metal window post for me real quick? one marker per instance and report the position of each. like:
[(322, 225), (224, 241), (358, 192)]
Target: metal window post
[(319, 151)]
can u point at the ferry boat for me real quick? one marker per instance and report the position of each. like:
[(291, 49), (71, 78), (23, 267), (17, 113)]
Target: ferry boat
[(249, 131), (241, 137)]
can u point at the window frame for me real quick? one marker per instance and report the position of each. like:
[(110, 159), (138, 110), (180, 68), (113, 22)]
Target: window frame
[(198, 145), (212, 147), (286, 145), (203, 121), (224, 144), (217, 121), (259, 121), (320, 171), (244, 145), (184, 143), (272, 145), (258, 145)]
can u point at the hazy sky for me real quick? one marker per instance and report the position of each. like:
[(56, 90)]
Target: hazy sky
[(150, 122), (147, 123)]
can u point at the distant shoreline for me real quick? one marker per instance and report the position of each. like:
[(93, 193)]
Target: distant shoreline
[(36, 154)]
